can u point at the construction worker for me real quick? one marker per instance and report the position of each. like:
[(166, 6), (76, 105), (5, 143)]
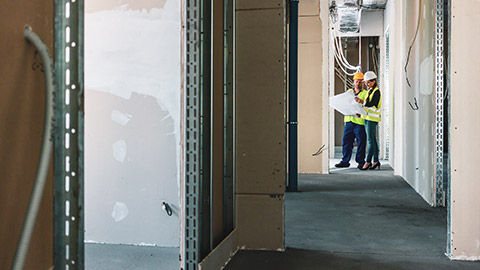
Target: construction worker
[(372, 105), (354, 129)]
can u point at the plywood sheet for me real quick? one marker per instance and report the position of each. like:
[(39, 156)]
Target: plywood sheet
[(310, 110), (22, 99), (222, 254), (255, 4), (464, 143), (260, 222), (260, 87)]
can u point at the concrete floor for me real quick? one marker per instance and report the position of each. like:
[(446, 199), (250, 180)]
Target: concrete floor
[(355, 219), (116, 257)]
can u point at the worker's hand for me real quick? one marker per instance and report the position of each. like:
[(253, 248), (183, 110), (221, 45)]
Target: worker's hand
[(358, 100), (358, 115)]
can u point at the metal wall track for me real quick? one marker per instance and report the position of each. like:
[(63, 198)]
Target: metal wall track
[(229, 124), (69, 182), (192, 133), (439, 98)]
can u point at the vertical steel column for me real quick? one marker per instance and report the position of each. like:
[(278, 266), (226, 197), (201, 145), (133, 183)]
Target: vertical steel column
[(69, 182), (293, 99), (439, 95), (229, 126), (192, 133)]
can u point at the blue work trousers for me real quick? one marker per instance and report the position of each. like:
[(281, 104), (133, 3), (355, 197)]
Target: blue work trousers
[(351, 132), (371, 128)]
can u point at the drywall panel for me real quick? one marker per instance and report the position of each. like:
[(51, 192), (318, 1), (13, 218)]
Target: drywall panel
[(22, 109), (309, 29), (260, 222), (419, 169), (260, 108), (221, 255), (132, 121), (398, 48), (309, 8), (255, 4), (310, 87), (464, 143)]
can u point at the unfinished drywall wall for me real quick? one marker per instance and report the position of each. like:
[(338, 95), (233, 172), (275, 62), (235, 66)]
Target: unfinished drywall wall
[(464, 143), (132, 121), (395, 22), (260, 123), (310, 86), (419, 129), (22, 110)]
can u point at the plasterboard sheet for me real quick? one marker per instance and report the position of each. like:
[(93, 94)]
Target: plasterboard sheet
[(309, 8), (309, 30), (255, 4), (419, 133), (222, 254), (260, 85), (464, 143), (310, 107), (132, 121), (260, 222), (22, 110)]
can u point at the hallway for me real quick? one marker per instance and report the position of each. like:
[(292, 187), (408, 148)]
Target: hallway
[(357, 220)]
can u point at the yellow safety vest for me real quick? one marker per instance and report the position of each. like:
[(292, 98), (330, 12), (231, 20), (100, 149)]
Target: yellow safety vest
[(374, 113), (352, 118)]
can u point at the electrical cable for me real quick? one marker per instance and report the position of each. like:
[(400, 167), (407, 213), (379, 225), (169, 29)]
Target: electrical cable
[(413, 41), (338, 53), (45, 153)]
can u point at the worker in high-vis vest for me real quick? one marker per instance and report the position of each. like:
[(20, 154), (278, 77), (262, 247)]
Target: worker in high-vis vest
[(372, 105), (354, 129)]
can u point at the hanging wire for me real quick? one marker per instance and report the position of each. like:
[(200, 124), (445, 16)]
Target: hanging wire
[(413, 41), (343, 63), (360, 39)]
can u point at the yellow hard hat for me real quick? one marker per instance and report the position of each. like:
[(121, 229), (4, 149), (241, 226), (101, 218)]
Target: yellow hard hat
[(358, 76)]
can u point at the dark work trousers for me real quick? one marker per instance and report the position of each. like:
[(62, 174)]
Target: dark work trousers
[(371, 127), (351, 132)]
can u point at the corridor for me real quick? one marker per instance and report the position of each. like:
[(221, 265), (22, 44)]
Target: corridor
[(357, 220)]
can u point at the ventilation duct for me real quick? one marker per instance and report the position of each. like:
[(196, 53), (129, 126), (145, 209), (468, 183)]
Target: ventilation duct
[(374, 4), (348, 19)]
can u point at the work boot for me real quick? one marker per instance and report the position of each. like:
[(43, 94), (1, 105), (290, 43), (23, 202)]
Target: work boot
[(342, 165)]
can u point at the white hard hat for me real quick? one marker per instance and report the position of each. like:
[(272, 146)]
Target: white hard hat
[(369, 75)]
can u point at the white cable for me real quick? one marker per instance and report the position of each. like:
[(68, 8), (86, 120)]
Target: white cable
[(45, 154), (344, 61), (340, 57), (360, 39), (338, 50)]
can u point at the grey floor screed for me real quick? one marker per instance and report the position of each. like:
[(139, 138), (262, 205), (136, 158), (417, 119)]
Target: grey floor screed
[(355, 219), (117, 257)]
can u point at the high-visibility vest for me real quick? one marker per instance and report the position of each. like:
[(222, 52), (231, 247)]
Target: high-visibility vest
[(353, 118), (374, 113)]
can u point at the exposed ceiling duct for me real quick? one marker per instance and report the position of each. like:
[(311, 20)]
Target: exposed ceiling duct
[(374, 4), (346, 14)]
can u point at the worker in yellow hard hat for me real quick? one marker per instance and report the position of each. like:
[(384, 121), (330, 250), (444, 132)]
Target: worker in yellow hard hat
[(354, 129)]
